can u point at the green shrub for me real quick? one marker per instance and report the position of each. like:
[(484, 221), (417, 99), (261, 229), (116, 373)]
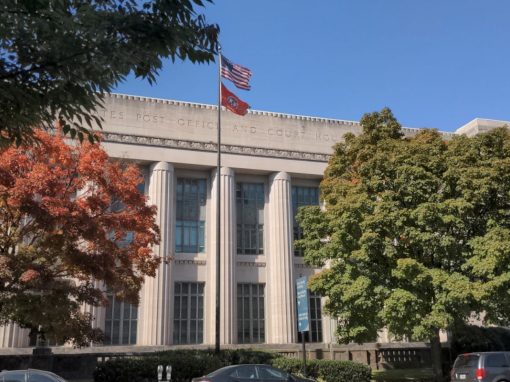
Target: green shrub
[(250, 356), (126, 369), (186, 364), (295, 366), (343, 371), (329, 371), (471, 338)]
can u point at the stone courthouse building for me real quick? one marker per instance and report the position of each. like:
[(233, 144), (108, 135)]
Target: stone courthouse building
[(272, 164)]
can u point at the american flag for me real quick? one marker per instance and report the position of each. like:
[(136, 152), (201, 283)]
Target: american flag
[(238, 74)]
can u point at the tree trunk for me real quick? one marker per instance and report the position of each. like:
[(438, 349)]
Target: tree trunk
[(436, 357)]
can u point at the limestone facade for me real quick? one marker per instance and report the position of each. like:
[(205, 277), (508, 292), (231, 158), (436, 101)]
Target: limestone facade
[(272, 163)]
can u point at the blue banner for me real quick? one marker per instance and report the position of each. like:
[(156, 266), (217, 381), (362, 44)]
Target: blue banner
[(302, 304)]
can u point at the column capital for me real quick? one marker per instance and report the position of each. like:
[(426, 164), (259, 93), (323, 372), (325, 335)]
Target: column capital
[(162, 166), (226, 171), (282, 175)]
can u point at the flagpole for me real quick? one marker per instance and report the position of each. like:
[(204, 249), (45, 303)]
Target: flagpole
[(218, 211)]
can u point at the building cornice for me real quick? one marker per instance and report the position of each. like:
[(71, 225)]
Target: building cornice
[(194, 105), (182, 144)]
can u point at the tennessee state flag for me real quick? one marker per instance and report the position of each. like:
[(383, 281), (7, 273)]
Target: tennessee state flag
[(232, 102)]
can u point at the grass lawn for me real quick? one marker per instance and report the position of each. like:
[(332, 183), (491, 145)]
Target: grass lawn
[(402, 375)]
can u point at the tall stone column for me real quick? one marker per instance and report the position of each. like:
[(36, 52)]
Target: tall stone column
[(12, 336), (156, 305), (329, 324), (97, 313), (228, 334), (281, 318)]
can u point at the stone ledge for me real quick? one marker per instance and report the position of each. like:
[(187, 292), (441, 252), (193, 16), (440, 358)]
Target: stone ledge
[(211, 147)]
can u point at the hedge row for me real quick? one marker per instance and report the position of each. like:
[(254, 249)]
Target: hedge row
[(469, 338), (187, 364), (326, 370)]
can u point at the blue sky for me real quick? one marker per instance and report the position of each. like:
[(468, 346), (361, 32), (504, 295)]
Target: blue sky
[(435, 63)]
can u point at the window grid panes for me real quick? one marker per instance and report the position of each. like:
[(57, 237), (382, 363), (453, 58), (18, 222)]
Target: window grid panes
[(188, 313), (302, 196), (250, 218), (314, 306), (191, 195), (250, 313), (118, 206), (121, 322)]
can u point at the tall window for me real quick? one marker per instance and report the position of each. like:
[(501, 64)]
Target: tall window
[(118, 206), (121, 317), (121, 322), (190, 215), (302, 196), (314, 306), (250, 218), (250, 313), (189, 313)]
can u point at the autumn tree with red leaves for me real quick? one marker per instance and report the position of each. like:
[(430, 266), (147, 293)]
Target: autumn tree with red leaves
[(71, 221)]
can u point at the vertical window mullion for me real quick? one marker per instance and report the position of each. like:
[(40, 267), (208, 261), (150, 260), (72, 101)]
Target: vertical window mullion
[(121, 324), (257, 313), (195, 340), (188, 323), (193, 320), (250, 307), (112, 320)]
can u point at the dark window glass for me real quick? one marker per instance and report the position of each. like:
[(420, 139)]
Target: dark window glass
[(315, 314), (188, 313), (250, 218), (496, 360), (15, 376), (302, 196), (118, 206), (191, 195), (121, 322), (266, 372), (40, 377), (467, 360), (244, 372), (121, 317), (250, 313)]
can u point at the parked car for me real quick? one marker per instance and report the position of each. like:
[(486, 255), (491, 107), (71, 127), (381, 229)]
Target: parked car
[(482, 367), (29, 375), (250, 373)]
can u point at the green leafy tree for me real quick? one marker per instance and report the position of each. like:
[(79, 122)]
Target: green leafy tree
[(415, 233), (57, 57)]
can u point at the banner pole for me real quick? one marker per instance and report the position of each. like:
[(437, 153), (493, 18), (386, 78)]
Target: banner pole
[(218, 211)]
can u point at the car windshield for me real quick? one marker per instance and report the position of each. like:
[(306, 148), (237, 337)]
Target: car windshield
[(467, 360)]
